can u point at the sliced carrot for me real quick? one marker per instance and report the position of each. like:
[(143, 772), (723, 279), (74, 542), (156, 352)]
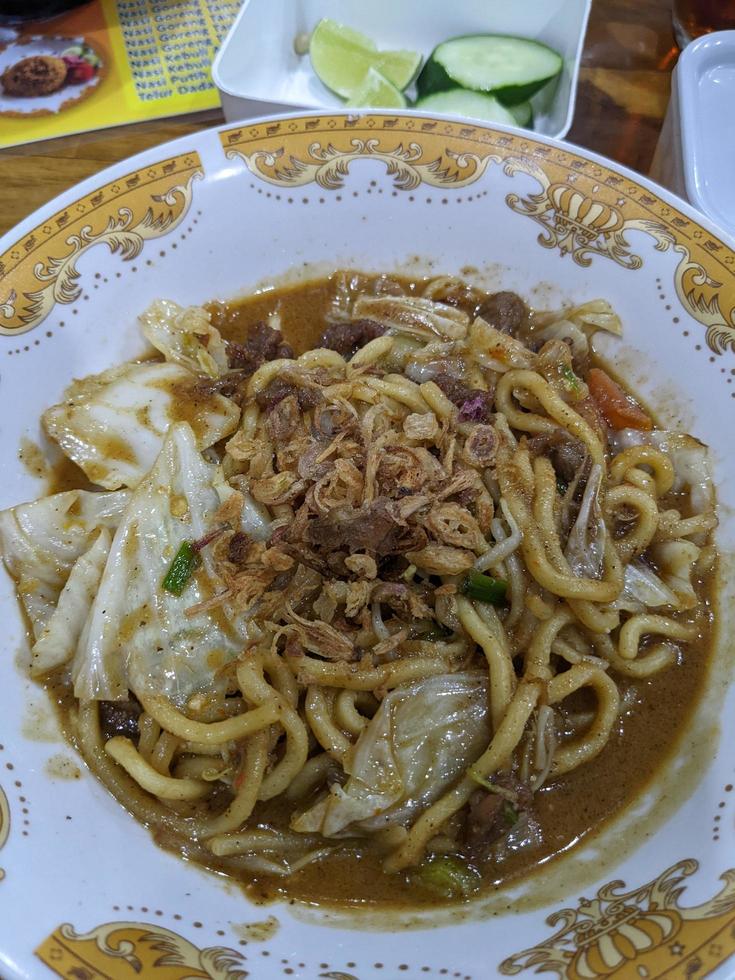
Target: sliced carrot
[(618, 408)]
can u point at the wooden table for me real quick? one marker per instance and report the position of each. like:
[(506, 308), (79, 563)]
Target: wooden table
[(622, 98)]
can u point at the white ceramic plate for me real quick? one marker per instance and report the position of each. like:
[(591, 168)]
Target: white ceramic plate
[(83, 889)]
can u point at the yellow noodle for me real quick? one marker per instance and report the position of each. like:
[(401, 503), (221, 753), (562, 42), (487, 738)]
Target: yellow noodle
[(312, 775), (200, 767), (370, 354), (537, 661), (596, 618), (346, 714), (355, 677), (557, 409), (210, 733), (491, 638), (637, 538), (437, 401), (637, 456), (638, 625), (585, 747), (163, 753), (319, 708), (250, 779), (258, 691), (655, 659), (125, 754), (150, 732)]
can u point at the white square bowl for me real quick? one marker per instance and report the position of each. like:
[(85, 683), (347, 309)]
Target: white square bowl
[(695, 152), (258, 71)]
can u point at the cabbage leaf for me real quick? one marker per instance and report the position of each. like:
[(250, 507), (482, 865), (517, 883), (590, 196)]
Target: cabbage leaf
[(185, 336), (422, 737), (113, 424), (689, 457), (643, 589), (58, 639), (138, 636), (413, 315), (41, 541), (585, 550)]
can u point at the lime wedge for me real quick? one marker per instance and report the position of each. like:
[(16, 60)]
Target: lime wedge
[(376, 91), (399, 67), (342, 58)]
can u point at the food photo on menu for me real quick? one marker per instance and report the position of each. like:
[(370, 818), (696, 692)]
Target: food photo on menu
[(367, 517)]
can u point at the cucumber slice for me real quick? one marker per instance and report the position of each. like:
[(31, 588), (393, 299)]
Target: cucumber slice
[(523, 113), (342, 57), (511, 68), (461, 102)]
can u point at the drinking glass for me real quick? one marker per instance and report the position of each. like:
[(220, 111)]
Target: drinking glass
[(693, 18)]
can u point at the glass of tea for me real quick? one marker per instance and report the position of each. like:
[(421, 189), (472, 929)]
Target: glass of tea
[(22, 11), (693, 18)]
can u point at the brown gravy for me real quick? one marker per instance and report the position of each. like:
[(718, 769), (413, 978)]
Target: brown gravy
[(569, 810), (575, 806)]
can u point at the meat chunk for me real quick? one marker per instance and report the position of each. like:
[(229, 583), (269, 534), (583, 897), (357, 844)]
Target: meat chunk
[(280, 388), (263, 344), (283, 420), (491, 815), (120, 718), (505, 311), (238, 547), (474, 404), (372, 527), (568, 455), (348, 338), (230, 385)]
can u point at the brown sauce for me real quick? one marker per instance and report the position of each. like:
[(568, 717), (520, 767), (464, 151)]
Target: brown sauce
[(571, 809)]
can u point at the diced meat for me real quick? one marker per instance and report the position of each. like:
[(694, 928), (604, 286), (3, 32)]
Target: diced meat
[(372, 527), (568, 455), (229, 385), (120, 718), (475, 404), (490, 816), (590, 412), (405, 601), (238, 547), (283, 420), (482, 818), (279, 389), (263, 344), (505, 311), (348, 338)]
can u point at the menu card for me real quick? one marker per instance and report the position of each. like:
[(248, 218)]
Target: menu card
[(107, 63)]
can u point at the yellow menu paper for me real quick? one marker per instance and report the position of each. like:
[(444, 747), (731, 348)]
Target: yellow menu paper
[(107, 63)]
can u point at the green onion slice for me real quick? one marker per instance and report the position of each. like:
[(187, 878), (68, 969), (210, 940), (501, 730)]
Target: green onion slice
[(447, 876), (508, 795), (181, 568), (510, 814), (485, 588), (570, 377)]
